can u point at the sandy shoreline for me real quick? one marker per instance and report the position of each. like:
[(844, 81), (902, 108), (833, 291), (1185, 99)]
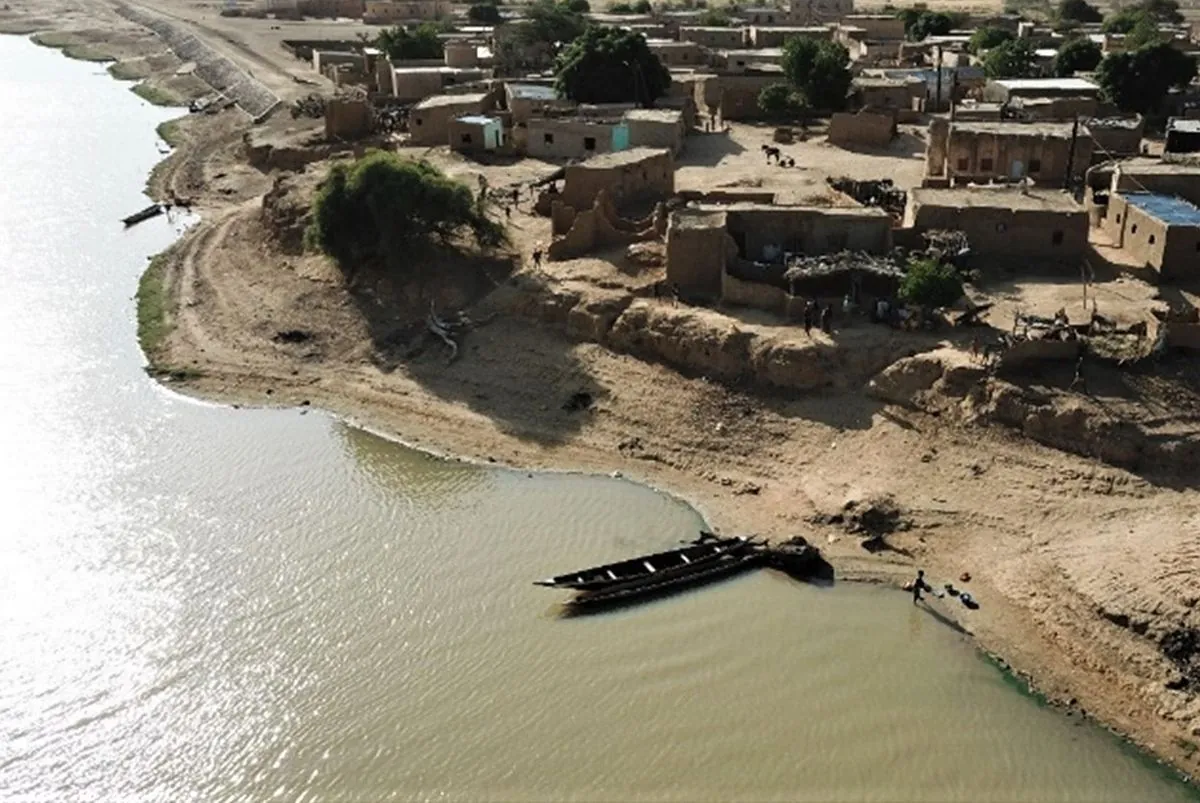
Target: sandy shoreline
[(979, 500)]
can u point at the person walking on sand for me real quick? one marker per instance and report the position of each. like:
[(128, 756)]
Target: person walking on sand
[(827, 319), (918, 586), (537, 258), (808, 318)]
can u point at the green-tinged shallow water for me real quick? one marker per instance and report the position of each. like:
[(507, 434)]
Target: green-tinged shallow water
[(202, 603)]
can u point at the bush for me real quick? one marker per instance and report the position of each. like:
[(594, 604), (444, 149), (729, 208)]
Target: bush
[(621, 8), (578, 6), (715, 18), (377, 209), (642, 7), (929, 283), (399, 43), (484, 12)]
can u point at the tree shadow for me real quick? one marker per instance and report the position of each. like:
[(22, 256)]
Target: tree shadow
[(707, 149), (530, 385)]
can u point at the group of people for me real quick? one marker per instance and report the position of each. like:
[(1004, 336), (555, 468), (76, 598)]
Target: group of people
[(816, 315)]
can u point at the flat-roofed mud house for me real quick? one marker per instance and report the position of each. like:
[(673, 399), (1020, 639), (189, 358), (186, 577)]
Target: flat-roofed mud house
[(776, 36), (985, 152), (628, 176), (656, 128), (703, 240), (714, 38), (472, 133), (390, 12), (429, 120), (673, 53), (573, 137), (1007, 90), (1005, 225), (1156, 230), (818, 12)]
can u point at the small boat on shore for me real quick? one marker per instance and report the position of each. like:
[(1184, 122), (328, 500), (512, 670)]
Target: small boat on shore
[(658, 567), (137, 217), (725, 565)]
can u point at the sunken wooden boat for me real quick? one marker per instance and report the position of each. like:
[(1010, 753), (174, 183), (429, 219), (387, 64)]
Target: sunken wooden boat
[(728, 564), (659, 567)]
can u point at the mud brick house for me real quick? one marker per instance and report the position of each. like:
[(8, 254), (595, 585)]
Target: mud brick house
[(703, 240), (1160, 231), (1005, 224), (632, 175), (429, 120), (959, 153)]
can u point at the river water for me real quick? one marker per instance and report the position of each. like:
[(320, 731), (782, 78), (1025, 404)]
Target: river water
[(202, 603)]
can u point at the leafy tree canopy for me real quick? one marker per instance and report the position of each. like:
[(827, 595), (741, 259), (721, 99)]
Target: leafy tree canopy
[(1138, 80), (551, 23), (921, 24), (486, 13), (930, 283), (377, 209), (1144, 33), (610, 65), (1163, 10), (620, 8), (1124, 20), (1012, 59), (578, 6), (1077, 55), (642, 7), (1079, 11), (987, 38), (819, 70), (401, 43), (780, 102)]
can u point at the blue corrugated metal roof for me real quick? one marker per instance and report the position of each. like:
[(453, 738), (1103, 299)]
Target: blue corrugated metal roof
[(1168, 208)]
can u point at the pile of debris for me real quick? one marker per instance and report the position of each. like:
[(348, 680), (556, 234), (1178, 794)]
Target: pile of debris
[(947, 246), (804, 266), (391, 119), (881, 193), (871, 519), (311, 105)]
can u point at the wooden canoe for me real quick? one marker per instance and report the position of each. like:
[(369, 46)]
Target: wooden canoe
[(659, 566), (726, 565)]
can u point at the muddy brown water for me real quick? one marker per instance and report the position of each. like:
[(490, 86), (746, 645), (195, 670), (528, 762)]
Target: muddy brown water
[(202, 603)]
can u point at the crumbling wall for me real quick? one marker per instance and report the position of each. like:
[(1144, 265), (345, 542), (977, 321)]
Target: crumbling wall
[(347, 119), (753, 294), (597, 227)]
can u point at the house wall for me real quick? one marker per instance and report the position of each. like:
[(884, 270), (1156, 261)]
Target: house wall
[(461, 54), (818, 12), (986, 156), (347, 119), (656, 134), (1185, 185), (413, 85), (387, 12), (1174, 251), (776, 37), (431, 126), (714, 38), (1000, 234), (650, 176), (808, 230), (568, 139), (484, 136), (679, 54), (696, 256), (891, 97), (738, 94), (1117, 141), (753, 294), (878, 26), (324, 58), (862, 129)]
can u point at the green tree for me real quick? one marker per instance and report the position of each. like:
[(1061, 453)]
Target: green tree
[(421, 42), (620, 8), (1143, 34), (819, 70), (1138, 81), (1163, 11), (642, 7), (1079, 11), (779, 102), (1123, 21), (919, 25), (610, 65), (578, 6), (929, 283), (380, 208), (486, 13), (551, 23), (1012, 59), (1077, 55), (987, 38)]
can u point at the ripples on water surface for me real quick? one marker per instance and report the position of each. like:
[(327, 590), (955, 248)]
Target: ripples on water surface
[(209, 604)]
